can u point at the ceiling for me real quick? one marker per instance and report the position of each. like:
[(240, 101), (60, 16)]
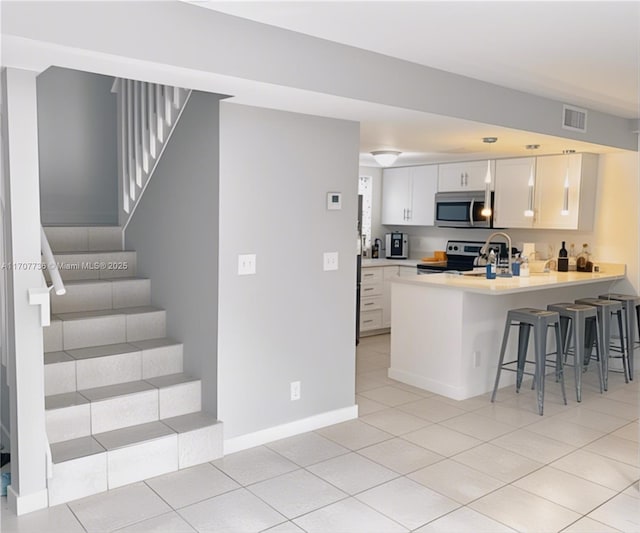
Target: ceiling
[(585, 53)]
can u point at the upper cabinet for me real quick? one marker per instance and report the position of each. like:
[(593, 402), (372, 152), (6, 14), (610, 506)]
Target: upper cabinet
[(512, 192), (468, 176), (511, 198), (408, 195)]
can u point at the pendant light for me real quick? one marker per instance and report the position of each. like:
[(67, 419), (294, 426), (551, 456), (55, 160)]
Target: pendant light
[(486, 210), (531, 184), (385, 158), (565, 191)]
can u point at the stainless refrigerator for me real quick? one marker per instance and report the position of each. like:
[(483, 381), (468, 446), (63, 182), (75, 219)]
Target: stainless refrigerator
[(358, 267)]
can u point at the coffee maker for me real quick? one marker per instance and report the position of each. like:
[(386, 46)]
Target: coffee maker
[(396, 245)]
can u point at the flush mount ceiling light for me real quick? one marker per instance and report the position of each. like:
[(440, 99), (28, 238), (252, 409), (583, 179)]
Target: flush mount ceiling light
[(565, 191), (486, 210), (529, 210), (385, 158)]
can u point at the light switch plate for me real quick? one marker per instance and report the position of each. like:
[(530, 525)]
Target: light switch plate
[(330, 261), (246, 264)]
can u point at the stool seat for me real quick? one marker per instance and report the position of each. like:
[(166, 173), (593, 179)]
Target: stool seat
[(540, 320), (573, 325), (605, 309), (629, 302)]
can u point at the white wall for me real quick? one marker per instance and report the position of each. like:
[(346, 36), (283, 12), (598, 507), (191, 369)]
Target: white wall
[(615, 237), (175, 232), (291, 321), (78, 148), (100, 35)]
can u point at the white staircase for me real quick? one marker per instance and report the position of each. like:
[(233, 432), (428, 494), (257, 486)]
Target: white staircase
[(119, 408)]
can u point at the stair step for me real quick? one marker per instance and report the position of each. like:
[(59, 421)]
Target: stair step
[(97, 295), (160, 357), (107, 460), (105, 264), (110, 326), (99, 366), (84, 238), (91, 411), (79, 470), (122, 405)]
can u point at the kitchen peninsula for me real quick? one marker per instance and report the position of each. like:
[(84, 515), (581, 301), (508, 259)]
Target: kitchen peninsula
[(446, 329)]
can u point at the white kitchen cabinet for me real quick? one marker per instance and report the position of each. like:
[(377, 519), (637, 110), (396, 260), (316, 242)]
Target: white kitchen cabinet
[(407, 271), (408, 195), (371, 299), (549, 191), (512, 192), (466, 176), (390, 273)]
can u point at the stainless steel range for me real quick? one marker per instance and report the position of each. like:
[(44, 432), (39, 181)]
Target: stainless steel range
[(462, 256)]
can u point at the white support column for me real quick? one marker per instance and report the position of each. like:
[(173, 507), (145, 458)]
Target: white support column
[(28, 489)]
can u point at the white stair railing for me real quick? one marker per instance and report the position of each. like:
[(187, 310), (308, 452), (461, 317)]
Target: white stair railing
[(147, 116)]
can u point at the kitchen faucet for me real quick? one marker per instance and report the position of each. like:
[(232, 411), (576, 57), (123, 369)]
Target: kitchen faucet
[(485, 246)]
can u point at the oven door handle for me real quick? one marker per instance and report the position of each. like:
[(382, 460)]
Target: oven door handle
[(471, 212)]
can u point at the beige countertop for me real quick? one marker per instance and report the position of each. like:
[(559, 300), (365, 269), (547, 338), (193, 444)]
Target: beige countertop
[(368, 263), (499, 286)]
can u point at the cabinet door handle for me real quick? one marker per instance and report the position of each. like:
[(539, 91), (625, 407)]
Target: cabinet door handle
[(369, 275), (461, 179), (466, 179), (368, 289), (408, 214), (369, 303), (367, 321)]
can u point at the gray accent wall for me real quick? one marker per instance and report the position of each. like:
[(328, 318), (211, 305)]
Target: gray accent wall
[(291, 321), (77, 125), (175, 232)]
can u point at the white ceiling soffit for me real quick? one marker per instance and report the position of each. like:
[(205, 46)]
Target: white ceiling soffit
[(582, 53)]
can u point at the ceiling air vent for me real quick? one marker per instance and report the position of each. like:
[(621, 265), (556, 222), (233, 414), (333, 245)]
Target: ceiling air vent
[(574, 118)]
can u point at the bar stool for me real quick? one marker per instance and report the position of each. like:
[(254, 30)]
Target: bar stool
[(540, 319), (574, 320), (607, 308), (629, 302)]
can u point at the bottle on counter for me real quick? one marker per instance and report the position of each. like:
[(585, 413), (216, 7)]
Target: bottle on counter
[(563, 259), (491, 265), (375, 249), (583, 259), (524, 268)]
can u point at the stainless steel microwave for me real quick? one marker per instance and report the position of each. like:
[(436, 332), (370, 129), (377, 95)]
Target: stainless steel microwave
[(461, 210)]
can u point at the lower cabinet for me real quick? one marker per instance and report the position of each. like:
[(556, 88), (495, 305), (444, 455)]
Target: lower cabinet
[(371, 299), (375, 295)]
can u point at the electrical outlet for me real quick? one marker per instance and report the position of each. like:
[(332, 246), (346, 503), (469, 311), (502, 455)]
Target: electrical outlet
[(330, 261), (246, 264), (295, 390), (476, 359)]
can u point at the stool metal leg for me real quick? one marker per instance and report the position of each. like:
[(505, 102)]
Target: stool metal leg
[(503, 349), (578, 356), (624, 353), (605, 335), (601, 366), (630, 338), (523, 344), (540, 336), (560, 355)]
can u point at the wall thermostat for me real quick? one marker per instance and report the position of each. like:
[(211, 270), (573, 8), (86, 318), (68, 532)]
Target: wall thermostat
[(334, 200)]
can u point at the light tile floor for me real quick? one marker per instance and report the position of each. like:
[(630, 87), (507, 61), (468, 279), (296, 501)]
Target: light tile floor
[(413, 461)]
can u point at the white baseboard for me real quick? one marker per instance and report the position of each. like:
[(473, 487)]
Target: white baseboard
[(311, 423), (26, 504)]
